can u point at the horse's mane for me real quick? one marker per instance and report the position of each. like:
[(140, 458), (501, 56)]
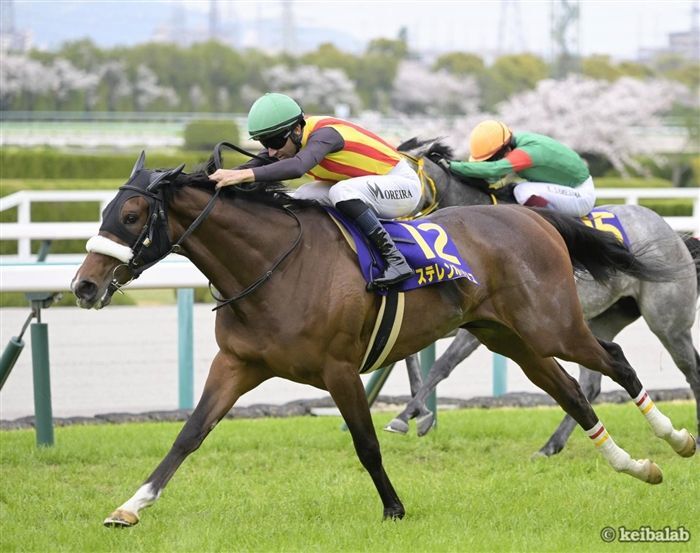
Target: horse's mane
[(274, 194), (419, 149)]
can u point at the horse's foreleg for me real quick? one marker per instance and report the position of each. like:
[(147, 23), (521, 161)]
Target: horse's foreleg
[(621, 372), (226, 382), (461, 347), (346, 389)]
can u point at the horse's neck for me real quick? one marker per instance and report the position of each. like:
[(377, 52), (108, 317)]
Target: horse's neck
[(453, 191), (236, 244)]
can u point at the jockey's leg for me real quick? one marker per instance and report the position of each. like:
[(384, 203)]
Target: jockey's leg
[(576, 201), (397, 269), (316, 190), (365, 198), (536, 201)]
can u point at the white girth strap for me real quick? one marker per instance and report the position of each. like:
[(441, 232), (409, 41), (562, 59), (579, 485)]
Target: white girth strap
[(105, 246)]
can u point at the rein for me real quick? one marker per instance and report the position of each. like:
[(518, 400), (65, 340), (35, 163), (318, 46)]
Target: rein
[(265, 276)]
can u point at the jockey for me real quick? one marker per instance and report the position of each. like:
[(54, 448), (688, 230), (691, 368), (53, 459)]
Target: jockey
[(355, 171), (555, 176)]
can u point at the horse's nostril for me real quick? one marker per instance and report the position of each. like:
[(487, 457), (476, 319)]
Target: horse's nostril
[(86, 290)]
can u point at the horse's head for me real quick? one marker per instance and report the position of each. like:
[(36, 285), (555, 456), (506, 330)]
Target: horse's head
[(133, 236), (432, 148)]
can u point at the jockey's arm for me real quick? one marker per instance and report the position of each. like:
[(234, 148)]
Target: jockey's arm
[(515, 161), (487, 170), (257, 162), (321, 143)]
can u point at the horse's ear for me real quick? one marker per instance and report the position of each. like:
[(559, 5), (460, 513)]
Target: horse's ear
[(140, 164), (157, 178)]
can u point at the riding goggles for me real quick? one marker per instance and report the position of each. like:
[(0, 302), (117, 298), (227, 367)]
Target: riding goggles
[(276, 141)]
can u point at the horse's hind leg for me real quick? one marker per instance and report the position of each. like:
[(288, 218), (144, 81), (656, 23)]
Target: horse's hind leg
[(348, 393), (461, 347), (590, 385), (226, 382), (686, 358), (673, 329), (618, 368), (548, 375), (400, 424), (606, 326)]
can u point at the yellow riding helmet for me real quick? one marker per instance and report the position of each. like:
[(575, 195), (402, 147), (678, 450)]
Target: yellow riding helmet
[(487, 138)]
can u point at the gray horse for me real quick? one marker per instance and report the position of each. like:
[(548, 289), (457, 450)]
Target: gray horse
[(667, 307)]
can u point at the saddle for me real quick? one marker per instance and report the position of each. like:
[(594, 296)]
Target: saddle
[(427, 247)]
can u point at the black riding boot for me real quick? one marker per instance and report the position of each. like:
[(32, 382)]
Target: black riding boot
[(397, 269)]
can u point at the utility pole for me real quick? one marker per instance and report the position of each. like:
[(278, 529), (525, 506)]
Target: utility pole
[(7, 25), (510, 25), (213, 20), (564, 29), (288, 31)]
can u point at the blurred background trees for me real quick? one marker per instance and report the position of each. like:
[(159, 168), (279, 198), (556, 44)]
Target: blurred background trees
[(597, 110), (157, 76)]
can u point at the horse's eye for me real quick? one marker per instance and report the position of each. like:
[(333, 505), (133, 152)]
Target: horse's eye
[(130, 219)]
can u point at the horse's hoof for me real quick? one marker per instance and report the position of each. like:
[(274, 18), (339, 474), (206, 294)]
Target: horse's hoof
[(689, 447), (121, 519), (653, 474), (425, 424), (397, 426), (394, 514)]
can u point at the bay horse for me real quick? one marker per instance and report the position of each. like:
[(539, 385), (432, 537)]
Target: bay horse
[(668, 307), (304, 313)]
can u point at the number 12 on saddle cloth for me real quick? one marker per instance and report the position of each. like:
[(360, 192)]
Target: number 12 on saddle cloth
[(425, 245)]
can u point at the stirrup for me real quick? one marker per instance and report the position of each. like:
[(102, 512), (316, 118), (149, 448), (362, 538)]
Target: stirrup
[(380, 283)]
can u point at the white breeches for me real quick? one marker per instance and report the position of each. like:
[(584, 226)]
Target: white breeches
[(573, 201), (395, 194)]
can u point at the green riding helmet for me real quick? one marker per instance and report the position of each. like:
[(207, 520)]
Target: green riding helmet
[(271, 114)]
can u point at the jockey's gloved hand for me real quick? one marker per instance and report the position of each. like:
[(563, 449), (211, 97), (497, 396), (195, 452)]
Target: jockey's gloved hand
[(437, 159)]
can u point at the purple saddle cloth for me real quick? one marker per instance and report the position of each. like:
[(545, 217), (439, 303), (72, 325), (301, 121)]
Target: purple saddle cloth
[(425, 245)]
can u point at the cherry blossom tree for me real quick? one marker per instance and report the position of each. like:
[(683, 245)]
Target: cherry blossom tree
[(318, 89), (22, 80), (418, 90), (596, 117), (67, 79), (146, 90), (115, 83), (591, 116)]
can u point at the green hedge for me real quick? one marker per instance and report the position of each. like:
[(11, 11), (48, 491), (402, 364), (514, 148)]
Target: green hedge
[(635, 182), (54, 164), (18, 299), (205, 134)]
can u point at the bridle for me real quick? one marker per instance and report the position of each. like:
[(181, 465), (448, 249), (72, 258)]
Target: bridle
[(156, 229)]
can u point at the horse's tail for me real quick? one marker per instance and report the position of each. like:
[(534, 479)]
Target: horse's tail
[(602, 255), (693, 245)]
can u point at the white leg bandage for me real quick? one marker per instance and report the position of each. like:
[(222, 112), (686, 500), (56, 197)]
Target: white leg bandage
[(660, 423)]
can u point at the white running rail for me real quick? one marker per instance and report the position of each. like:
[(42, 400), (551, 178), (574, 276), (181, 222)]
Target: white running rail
[(20, 272)]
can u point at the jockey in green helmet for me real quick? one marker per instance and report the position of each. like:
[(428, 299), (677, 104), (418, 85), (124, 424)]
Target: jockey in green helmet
[(354, 170)]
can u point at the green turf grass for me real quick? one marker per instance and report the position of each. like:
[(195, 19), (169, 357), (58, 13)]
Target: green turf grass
[(296, 485)]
